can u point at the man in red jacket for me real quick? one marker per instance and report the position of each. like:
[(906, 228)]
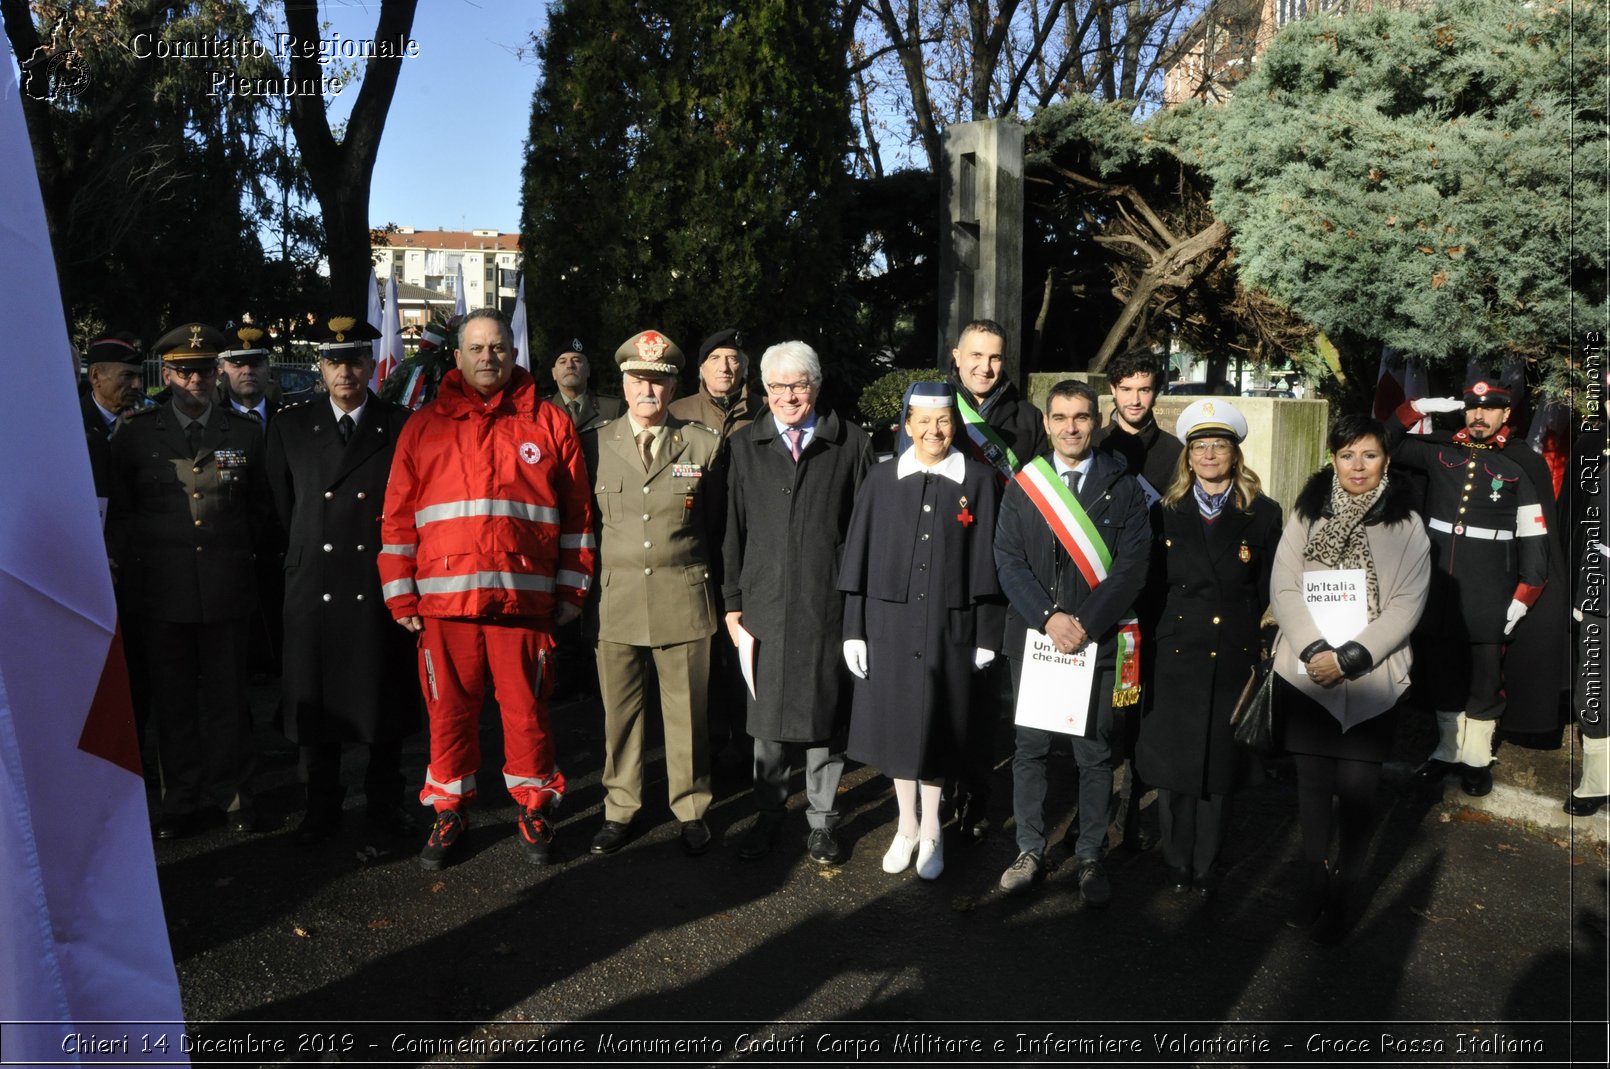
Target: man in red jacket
[(487, 546)]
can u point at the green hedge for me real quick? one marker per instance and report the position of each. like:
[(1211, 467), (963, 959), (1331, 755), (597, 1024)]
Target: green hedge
[(880, 401)]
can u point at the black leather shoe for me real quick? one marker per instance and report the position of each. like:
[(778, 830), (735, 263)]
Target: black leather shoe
[(1179, 880), (611, 837), (1206, 885), (824, 847), (178, 825), (971, 819), (761, 837), (242, 821), (695, 837), (1093, 885), (1431, 774), (317, 825), (1476, 782), (1584, 807)]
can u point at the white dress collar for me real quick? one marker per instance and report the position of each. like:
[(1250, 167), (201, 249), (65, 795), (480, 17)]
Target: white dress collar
[(953, 467)]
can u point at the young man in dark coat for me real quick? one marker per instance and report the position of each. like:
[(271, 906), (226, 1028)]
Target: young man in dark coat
[(348, 673), (1002, 429), (1135, 378), (793, 476), (1050, 591)]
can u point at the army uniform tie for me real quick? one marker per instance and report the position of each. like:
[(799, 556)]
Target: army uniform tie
[(344, 425), (192, 437), (645, 446)]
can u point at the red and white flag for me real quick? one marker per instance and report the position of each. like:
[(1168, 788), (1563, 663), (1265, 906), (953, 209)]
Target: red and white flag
[(1400, 379), (85, 947), (390, 346)]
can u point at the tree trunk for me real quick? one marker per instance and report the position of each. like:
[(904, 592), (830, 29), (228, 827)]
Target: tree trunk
[(340, 171)]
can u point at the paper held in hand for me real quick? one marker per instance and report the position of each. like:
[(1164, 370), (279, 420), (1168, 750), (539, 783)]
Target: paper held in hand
[(1054, 690), (1337, 603), (746, 657)]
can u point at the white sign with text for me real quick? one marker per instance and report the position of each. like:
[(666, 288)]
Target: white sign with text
[(1054, 690)]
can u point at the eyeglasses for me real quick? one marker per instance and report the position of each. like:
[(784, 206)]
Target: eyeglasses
[(1209, 445), (790, 388), (186, 374)]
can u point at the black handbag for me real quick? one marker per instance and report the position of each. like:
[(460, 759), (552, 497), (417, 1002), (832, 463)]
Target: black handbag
[(1253, 721)]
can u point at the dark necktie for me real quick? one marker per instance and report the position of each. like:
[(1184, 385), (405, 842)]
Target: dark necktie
[(794, 434), (344, 425), (192, 437), (1073, 479), (257, 417)]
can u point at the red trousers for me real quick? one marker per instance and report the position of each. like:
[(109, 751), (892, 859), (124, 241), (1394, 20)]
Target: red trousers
[(456, 659)]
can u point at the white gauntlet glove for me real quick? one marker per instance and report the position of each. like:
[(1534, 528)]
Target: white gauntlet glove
[(1517, 609), (855, 656), (982, 659), (1428, 405)]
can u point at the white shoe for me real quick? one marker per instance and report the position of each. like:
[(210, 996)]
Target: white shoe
[(899, 856), (930, 859)]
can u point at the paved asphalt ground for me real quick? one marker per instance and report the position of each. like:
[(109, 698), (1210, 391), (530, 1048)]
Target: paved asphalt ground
[(1483, 940)]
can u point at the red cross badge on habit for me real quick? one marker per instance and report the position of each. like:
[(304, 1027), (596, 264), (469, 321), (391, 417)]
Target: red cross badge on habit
[(964, 517)]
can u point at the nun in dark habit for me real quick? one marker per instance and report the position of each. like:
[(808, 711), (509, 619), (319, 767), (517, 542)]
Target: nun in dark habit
[(923, 611)]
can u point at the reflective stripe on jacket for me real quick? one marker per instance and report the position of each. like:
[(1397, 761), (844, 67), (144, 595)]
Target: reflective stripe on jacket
[(488, 509)]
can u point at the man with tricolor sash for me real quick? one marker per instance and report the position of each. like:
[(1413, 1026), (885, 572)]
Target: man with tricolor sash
[(1002, 429), (1072, 547)]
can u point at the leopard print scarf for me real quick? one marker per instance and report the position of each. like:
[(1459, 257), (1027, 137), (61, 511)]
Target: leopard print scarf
[(1338, 541)]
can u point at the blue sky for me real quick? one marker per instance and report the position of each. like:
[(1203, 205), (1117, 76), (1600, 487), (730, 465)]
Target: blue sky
[(455, 136)]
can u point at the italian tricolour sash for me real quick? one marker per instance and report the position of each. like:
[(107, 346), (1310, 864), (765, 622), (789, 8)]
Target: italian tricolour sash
[(1072, 527), (986, 444)]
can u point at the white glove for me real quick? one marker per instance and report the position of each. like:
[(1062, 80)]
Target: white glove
[(982, 659), (1517, 609), (855, 656), (1427, 405)]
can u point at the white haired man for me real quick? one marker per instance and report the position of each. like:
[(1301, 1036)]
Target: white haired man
[(791, 487)]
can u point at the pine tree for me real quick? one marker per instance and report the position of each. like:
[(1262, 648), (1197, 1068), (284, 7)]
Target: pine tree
[(1432, 179), (686, 171)]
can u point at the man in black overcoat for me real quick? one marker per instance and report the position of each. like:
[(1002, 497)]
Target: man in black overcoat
[(349, 671), (1049, 593), (1002, 429), (793, 475)]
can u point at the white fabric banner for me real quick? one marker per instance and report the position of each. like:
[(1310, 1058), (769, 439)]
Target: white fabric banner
[(374, 316), (390, 344), (1054, 690), (517, 327), (1337, 602), (84, 938)]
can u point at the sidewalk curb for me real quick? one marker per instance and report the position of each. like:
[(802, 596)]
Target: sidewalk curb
[(1508, 802)]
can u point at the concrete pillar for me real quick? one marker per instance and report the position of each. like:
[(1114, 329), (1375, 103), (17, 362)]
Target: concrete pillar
[(981, 252)]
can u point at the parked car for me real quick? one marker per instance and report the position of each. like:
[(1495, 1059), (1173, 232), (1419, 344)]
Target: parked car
[(1267, 391), (297, 383), (1200, 389)]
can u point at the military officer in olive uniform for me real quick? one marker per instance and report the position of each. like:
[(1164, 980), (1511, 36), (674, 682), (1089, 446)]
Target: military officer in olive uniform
[(189, 509), (349, 671), (656, 600)]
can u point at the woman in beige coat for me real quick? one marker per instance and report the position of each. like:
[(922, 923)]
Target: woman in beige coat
[(1341, 673)]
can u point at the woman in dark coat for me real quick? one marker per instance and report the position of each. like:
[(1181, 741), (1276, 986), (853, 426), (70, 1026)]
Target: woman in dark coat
[(1335, 697), (1215, 542), (923, 611)]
